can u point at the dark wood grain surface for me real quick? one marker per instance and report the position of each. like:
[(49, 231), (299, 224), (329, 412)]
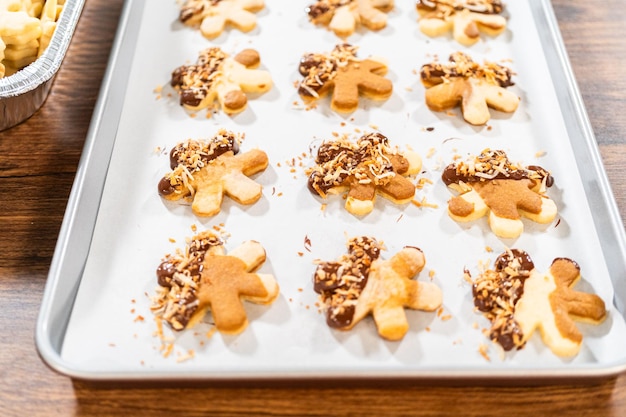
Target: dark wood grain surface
[(38, 161)]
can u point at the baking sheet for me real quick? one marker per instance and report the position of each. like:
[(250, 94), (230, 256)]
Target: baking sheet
[(134, 228)]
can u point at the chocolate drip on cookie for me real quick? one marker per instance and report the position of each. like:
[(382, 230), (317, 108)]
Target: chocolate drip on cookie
[(178, 277), (195, 81), (340, 283), (190, 156), (496, 293), (339, 160), (461, 65), (476, 6), (318, 69), (493, 164)]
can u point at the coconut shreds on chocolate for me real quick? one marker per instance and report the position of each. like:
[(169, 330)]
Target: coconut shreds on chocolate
[(367, 160), (461, 65), (178, 276), (340, 282), (191, 156), (318, 68), (194, 81), (444, 8), (492, 164), (495, 292), (194, 8), (322, 7)]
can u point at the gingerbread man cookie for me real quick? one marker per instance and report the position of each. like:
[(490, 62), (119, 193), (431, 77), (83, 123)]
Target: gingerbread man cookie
[(212, 16), (364, 169), (518, 299), (360, 283), (342, 16), (217, 76), (204, 170), (203, 277), (491, 184), (467, 19), (474, 87), (347, 77)]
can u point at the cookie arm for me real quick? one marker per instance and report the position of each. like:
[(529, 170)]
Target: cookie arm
[(499, 98), (251, 253), (229, 314)]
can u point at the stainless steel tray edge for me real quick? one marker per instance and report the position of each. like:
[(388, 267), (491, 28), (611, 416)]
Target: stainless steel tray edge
[(77, 228), (608, 220), (78, 223)]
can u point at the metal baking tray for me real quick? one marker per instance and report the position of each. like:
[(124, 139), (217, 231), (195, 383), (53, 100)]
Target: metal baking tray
[(117, 229), (23, 93)]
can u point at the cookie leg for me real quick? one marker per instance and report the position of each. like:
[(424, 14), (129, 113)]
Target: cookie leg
[(345, 97), (391, 321), (208, 200), (212, 25), (231, 98), (474, 105), (360, 200), (505, 228), (229, 314)]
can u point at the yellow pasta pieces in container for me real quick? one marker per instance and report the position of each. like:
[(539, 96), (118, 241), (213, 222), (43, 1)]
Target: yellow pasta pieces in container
[(34, 37)]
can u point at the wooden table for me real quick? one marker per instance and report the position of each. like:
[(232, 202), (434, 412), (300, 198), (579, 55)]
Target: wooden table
[(38, 160)]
